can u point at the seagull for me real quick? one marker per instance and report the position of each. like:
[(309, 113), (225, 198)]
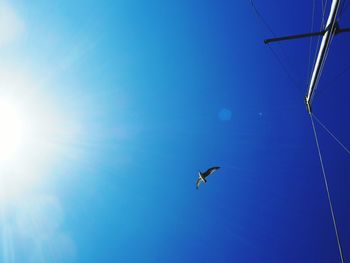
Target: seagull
[(202, 176)]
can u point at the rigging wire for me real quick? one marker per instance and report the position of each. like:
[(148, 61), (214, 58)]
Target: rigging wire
[(327, 189), (322, 65), (321, 26), (341, 6), (260, 17), (344, 7), (284, 67), (276, 55), (334, 137), (324, 7), (310, 42), (340, 74), (324, 4), (336, 77), (318, 45), (332, 34), (331, 134)]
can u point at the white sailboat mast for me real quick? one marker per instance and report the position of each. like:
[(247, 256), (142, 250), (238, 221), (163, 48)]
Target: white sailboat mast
[(326, 39)]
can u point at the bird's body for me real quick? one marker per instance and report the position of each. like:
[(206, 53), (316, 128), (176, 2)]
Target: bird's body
[(202, 176)]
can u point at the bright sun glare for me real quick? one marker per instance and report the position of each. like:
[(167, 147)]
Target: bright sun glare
[(34, 135), (11, 130)]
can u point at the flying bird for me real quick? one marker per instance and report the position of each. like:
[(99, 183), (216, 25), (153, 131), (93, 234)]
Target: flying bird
[(202, 176)]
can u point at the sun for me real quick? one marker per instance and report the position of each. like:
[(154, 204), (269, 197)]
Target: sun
[(11, 129)]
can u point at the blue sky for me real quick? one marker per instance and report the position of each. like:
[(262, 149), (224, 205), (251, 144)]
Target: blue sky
[(123, 102)]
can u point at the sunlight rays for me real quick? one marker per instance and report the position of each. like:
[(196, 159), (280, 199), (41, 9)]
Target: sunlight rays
[(35, 132), (11, 129), (58, 131)]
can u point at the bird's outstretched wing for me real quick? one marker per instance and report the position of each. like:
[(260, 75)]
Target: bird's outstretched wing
[(198, 183), (210, 171)]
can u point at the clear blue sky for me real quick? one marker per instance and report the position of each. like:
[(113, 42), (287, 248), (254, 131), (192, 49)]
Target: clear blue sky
[(127, 100)]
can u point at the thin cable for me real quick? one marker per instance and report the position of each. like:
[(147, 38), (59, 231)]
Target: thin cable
[(340, 74), (344, 9), (327, 48), (324, 6), (335, 78), (319, 38), (331, 134), (327, 189), (285, 69), (341, 7), (261, 18), (321, 27), (310, 42), (332, 34), (276, 55), (322, 64)]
